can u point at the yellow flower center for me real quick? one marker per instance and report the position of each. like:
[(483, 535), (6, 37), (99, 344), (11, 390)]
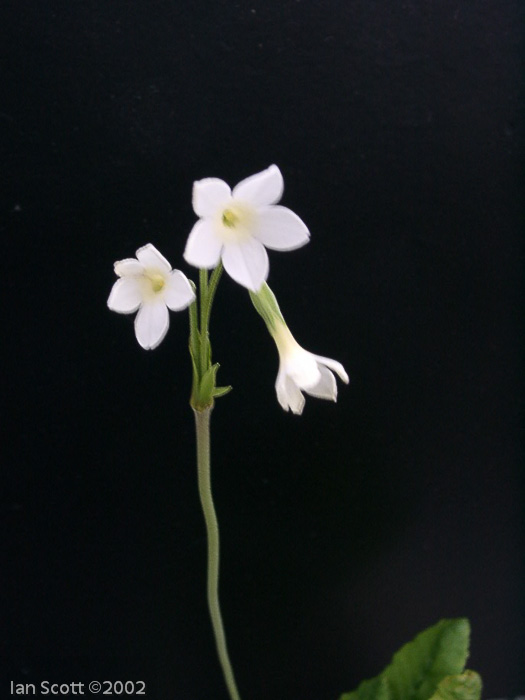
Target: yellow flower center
[(157, 281), (236, 222), (230, 218)]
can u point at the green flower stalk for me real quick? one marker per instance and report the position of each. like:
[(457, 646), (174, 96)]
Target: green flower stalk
[(203, 394), (202, 428)]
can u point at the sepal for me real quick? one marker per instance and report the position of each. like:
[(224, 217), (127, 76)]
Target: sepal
[(267, 307)]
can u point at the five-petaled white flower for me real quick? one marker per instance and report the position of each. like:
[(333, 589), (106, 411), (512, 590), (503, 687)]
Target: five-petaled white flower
[(148, 284), (300, 370), (237, 225)]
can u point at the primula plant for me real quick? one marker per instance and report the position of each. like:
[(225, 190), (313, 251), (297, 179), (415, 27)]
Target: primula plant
[(233, 231)]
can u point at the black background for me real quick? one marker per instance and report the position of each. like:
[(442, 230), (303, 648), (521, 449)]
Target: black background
[(397, 127)]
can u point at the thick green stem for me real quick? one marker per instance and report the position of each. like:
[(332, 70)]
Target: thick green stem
[(202, 426)]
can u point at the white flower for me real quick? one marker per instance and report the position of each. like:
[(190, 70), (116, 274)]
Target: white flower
[(237, 225), (300, 370), (150, 285)]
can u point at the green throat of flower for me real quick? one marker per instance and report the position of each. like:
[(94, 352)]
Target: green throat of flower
[(157, 282), (230, 218)]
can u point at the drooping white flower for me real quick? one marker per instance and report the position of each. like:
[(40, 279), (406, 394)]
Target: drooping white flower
[(235, 226), (149, 285), (300, 370)]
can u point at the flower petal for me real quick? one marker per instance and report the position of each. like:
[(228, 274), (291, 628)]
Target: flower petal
[(128, 268), (151, 324), (280, 388), (326, 387), (150, 257), (290, 396), (203, 248), (178, 293), (302, 368), (247, 263), (263, 188), (337, 367), (209, 195), (125, 296), (279, 228)]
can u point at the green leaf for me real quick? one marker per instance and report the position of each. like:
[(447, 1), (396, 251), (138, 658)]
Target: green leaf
[(466, 686), (418, 667)]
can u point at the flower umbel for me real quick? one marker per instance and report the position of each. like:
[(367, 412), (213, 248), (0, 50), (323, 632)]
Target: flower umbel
[(235, 226), (148, 284)]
